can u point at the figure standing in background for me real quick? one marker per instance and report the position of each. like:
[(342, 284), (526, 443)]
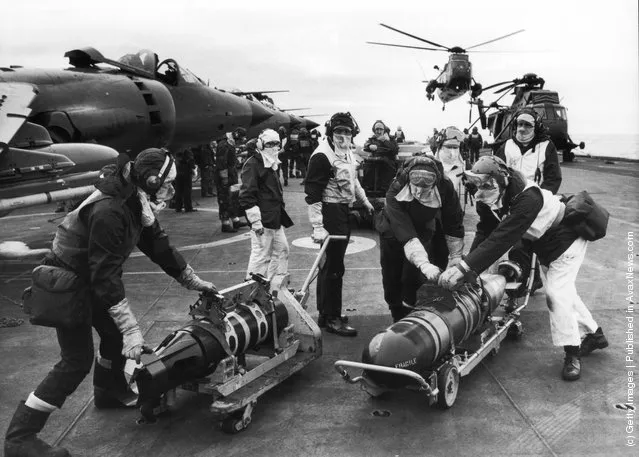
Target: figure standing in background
[(262, 198), (399, 135), (226, 161), (184, 181)]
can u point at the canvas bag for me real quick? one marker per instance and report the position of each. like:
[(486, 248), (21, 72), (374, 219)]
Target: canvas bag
[(56, 298), (585, 216)]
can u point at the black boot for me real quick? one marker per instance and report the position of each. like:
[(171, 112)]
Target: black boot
[(572, 364), (339, 327), (110, 388), (593, 341), (21, 439), (321, 320)]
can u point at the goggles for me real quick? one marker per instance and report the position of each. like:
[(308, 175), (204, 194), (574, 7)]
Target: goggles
[(481, 181), (343, 131), (272, 144), (422, 178), (524, 124)]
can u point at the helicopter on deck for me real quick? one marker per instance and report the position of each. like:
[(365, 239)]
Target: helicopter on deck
[(529, 92), (457, 77)]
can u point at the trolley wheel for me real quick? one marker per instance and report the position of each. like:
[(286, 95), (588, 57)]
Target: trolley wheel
[(448, 384), (234, 424), (515, 331)]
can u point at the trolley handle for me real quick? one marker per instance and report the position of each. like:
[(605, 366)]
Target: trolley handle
[(302, 293)]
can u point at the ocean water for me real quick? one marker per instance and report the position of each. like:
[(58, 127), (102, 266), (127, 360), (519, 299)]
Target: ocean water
[(608, 145)]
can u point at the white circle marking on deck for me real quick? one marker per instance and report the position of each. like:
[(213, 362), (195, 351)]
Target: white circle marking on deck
[(355, 245)]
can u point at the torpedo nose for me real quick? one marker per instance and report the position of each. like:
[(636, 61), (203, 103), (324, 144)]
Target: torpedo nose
[(86, 156)]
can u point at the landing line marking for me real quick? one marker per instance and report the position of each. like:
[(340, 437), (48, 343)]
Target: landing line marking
[(355, 245), (233, 239)]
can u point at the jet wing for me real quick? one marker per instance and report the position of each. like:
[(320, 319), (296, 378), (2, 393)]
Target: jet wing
[(15, 99)]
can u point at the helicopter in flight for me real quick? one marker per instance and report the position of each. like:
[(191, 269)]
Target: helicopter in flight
[(135, 102), (457, 77), (529, 92)]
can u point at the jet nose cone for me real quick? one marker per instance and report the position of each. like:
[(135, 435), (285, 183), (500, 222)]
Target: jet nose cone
[(85, 156), (259, 113), (310, 125)]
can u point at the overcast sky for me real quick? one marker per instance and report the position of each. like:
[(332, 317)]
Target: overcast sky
[(586, 50)]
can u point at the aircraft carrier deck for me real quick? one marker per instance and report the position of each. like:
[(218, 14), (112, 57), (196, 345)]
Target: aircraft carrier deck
[(512, 404)]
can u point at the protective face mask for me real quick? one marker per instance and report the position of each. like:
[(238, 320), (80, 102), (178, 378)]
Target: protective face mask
[(164, 194), (427, 196), (489, 197), (271, 154), (342, 141), (524, 136)]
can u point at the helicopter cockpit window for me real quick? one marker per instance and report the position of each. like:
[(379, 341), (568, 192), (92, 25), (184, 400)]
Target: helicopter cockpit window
[(167, 72), (560, 113), (541, 111)]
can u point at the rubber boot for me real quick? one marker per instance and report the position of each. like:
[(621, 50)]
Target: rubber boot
[(239, 223), (21, 439), (572, 364), (399, 313), (110, 387)]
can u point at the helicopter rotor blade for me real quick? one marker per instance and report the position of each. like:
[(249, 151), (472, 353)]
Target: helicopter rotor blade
[(495, 39), (416, 37), (505, 89), (498, 84), (404, 46)]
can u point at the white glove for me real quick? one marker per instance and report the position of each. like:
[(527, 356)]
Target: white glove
[(431, 271), (452, 278), (128, 326), (373, 147), (257, 227), (417, 255), (317, 221), (254, 216), (455, 250), (319, 235), (191, 281)]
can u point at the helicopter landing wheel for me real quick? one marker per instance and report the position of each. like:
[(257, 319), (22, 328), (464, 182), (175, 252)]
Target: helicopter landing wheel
[(448, 384)]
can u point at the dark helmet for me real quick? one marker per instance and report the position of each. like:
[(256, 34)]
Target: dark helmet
[(474, 129), (239, 133), (492, 166), (341, 119), (150, 169), (539, 125)]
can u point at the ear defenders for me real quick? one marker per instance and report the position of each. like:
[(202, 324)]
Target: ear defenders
[(154, 182), (334, 122), (539, 126)]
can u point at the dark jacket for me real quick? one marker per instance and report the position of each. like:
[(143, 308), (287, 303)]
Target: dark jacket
[(494, 237), (413, 220), (261, 187), (226, 159), (204, 156), (475, 141), (184, 162), (551, 171), (385, 148), (98, 238)]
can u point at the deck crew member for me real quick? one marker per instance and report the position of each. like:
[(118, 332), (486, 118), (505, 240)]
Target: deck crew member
[(94, 241), (381, 167), (331, 186), (527, 211), (420, 203), (262, 199), (226, 162)]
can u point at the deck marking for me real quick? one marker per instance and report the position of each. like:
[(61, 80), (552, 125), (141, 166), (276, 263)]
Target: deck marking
[(355, 245), (212, 244)]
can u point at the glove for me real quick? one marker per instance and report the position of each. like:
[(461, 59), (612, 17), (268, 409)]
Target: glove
[(416, 254), (455, 250), (373, 147), (254, 216), (319, 235), (258, 228), (317, 221), (191, 281), (370, 209), (224, 177), (128, 326), (452, 278), (431, 271)]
